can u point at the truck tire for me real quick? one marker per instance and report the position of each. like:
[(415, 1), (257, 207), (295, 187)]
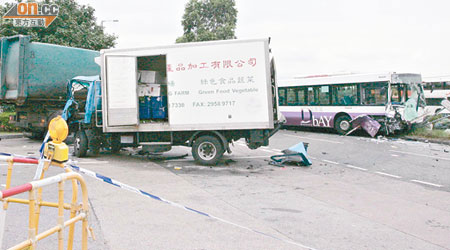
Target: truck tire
[(115, 144), (207, 150), (80, 144), (342, 124)]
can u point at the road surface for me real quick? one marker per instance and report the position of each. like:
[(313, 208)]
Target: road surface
[(360, 193)]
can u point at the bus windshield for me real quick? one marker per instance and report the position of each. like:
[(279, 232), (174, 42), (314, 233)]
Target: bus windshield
[(400, 93)]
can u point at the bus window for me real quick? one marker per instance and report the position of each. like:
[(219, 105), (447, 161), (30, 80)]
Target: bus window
[(324, 95), (345, 95), (400, 93), (434, 101), (291, 97), (296, 96), (301, 96), (282, 96), (374, 93), (312, 97)]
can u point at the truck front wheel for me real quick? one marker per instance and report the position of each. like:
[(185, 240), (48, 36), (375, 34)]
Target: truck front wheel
[(207, 150), (80, 144)]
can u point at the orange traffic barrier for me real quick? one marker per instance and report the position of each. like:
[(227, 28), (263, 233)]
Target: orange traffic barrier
[(35, 202)]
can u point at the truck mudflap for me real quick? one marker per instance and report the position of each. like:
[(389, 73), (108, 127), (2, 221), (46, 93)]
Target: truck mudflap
[(258, 138)]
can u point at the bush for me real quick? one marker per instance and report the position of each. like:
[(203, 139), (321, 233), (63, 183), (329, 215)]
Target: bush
[(4, 122), (7, 108)]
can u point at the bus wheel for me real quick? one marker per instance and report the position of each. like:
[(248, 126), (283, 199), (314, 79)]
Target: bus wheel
[(207, 150), (80, 144), (342, 124)]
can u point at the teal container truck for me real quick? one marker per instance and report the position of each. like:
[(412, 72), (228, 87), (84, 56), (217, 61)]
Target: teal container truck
[(34, 76)]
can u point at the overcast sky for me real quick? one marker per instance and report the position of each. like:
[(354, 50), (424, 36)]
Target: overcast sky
[(309, 37)]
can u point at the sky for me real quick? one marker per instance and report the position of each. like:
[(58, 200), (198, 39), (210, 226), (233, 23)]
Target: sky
[(309, 37)]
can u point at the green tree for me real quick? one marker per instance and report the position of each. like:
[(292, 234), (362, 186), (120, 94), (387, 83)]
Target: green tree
[(75, 26), (206, 20)]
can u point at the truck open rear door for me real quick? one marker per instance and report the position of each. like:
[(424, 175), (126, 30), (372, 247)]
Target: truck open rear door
[(121, 82)]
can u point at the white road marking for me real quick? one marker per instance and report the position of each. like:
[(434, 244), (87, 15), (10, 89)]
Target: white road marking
[(390, 175), (354, 167), (427, 183), (251, 157), (429, 156), (394, 155), (332, 162), (17, 164), (276, 149), (92, 162), (315, 139), (266, 150)]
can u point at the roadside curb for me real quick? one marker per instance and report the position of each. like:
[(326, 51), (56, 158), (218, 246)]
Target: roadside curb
[(11, 136), (420, 139)]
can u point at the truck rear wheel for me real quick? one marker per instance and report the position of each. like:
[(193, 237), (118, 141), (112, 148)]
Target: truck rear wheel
[(207, 150), (80, 144), (115, 143)]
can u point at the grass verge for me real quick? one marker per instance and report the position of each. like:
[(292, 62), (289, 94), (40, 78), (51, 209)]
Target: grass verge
[(430, 134)]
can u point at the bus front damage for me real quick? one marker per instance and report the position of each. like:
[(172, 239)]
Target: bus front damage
[(406, 103)]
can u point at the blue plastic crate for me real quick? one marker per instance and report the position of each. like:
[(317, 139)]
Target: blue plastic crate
[(159, 107), (158, 102), (159, 114), (145, 108)]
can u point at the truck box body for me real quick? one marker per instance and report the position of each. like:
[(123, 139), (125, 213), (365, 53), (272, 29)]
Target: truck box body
[(39, 71), (220, 85), (34, 76)]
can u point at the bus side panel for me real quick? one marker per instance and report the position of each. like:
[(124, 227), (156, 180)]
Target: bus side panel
[(309, 117)]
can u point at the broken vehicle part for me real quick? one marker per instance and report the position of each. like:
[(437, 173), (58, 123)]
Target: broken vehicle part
[(295, 155), (365, 122)]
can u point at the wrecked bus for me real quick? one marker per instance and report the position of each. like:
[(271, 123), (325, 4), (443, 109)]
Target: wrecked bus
[(436, 89), (331, 101)]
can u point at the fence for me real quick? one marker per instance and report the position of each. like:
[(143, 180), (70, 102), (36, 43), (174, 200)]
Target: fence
[(35, 202)]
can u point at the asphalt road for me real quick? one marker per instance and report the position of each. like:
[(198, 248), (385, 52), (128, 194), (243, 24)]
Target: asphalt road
[(360, 193)]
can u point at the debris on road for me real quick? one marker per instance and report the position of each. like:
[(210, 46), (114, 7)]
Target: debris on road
[(295, 155)]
